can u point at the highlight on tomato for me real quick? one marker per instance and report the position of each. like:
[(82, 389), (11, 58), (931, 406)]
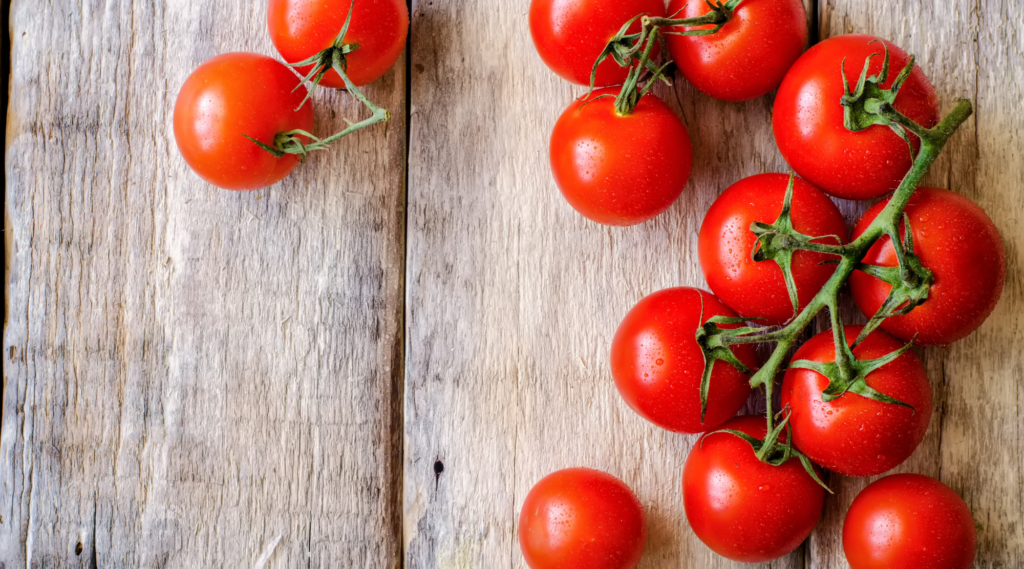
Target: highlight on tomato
[(620, 166), (581, 517), (746, 57), (658, 365), (962, 253), (571, 34), (909, 521), (300, 29), (727, 247), (742, 508), (812, 126), (852, 433), (216, 120)]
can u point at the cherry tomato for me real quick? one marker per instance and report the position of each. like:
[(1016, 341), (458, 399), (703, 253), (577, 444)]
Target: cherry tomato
[(302, 28), (758, 289), (232, 95), (742, 508), (808, 119), (854, 435), (571, 34), (960, 245), (749, 56), (620, 170), (580, 517), (657, 364), (909, 521)]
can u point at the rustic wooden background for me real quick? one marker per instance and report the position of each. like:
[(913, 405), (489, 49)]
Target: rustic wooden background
[(370, 364)]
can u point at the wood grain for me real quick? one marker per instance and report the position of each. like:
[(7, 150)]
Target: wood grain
[(191, 374), (973, 50), (513, 298)]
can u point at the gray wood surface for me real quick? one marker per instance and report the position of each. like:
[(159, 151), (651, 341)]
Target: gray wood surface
[(301, 377), (191, 373)]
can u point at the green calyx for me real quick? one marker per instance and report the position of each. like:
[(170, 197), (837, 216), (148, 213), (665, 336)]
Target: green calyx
[(333, 57), (710, 338), (778, 241), (911, 281), (868, 104), (773, 452)]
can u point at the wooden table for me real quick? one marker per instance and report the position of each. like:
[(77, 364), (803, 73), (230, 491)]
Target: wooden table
[(374, 360)]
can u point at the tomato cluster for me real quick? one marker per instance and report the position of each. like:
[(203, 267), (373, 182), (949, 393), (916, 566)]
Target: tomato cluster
[(855, 119), (240, 120)]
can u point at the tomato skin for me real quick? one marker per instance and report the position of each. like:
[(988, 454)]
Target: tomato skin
[(302, 28), (662, 328), (231, 95), (742, 508), (957, 241), (571, 34), (854, 435), (620, 170), (580, 517), (808, 120), (758, 289), (749, 56), (909, 521)]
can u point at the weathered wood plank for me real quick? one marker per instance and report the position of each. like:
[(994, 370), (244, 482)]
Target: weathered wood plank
[(968, 49), (191, 373), (513, 298)]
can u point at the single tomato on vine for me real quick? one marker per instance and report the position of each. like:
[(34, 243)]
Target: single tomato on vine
[(854, 435), (748, 56), (232, 96), (571, 34), (620, 169), (757, 289), (742, 508), (808, 118), (658, 365), (302, 28), (580, 517), (955, 240), (909, 521)]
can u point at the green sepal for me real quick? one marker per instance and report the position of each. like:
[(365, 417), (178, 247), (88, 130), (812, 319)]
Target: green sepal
[(911, 281), (853, 379), (868, 103), (709, 338)]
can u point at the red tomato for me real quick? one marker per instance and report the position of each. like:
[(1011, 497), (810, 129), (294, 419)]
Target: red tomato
[(742, 508), (808, 119), (960, 245), (657, 364), (302, 28), (232, 95), (749, 56), (758, 289), (854, 435), (620, 170), (571, 34), (579, 517), (909, 521)]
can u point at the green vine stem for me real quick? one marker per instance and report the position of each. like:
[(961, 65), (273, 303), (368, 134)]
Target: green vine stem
[(333, 57)]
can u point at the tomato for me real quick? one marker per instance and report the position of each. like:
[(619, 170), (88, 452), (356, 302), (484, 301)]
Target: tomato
[(620, 170), (571, 34), (854, 435), (758, 289), (749, 55), (657, 364), (302, 28), (909, 521), (808, 119), (580, 517), (742, 508), (232, 95), (960, 245)]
